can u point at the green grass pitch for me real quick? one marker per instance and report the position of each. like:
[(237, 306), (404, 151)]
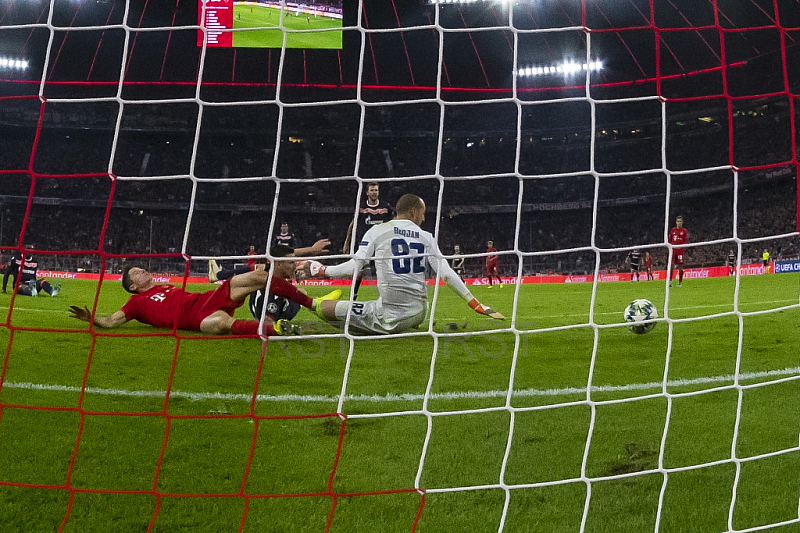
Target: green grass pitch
[(97, 451), (261, 16)]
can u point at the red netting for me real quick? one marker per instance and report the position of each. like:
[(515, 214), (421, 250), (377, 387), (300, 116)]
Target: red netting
[(720, 28)]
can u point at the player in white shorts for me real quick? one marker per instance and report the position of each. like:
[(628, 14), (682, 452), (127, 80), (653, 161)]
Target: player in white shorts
[(401, 251)]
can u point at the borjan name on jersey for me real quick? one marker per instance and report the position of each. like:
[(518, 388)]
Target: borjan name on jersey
[(406, 233)]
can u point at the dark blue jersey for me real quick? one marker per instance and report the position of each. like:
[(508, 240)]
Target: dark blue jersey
[(369, 216), (277, 307), (27, 268), (286, 239)]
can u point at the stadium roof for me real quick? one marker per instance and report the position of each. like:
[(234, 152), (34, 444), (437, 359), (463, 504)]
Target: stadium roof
[(679, 45)]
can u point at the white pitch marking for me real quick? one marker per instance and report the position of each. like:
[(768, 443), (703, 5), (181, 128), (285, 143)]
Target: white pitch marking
[(671, 309), (4, 310), (306, 398)]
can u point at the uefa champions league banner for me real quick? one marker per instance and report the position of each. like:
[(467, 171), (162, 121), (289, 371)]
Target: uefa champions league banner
[(792, 265)]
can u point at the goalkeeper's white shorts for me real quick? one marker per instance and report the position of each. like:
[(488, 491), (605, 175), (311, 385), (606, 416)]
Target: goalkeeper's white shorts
[(373, 318)]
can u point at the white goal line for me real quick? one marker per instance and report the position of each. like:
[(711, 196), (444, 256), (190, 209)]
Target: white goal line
[(376, 398)]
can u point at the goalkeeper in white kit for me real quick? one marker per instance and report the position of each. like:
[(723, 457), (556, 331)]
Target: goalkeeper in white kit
[(401, 251)]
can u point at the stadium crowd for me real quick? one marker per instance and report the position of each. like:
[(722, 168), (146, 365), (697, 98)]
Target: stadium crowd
[(150, 216)]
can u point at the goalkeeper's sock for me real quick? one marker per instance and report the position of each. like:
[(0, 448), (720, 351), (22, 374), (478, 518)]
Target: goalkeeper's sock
[(281, 287)]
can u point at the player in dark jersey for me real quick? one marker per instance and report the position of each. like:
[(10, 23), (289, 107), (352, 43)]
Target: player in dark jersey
[(11, 271), (458, 262), (276, 307), (285, 237), (677, 236), (371, 212), (633, 259), (29, 285), (211, 312)]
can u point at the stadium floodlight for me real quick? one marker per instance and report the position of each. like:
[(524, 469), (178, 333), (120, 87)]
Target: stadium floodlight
[(434, 2), (566, 68), (10, 63)]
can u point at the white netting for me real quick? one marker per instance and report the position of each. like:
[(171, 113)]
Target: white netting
[(569, 134)]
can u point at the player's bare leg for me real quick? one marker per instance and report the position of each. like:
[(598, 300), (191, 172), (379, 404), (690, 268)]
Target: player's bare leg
[(243, 284)]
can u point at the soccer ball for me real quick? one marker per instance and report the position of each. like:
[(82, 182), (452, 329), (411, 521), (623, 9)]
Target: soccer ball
[(637, 312)]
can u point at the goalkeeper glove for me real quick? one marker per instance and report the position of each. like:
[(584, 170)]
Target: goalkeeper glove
[(482, 309), (314, 269)]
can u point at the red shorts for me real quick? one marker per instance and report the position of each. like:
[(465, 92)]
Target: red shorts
[(491, 270), (677, 257), (207, 304)]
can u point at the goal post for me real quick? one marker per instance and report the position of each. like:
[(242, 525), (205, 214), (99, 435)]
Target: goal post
[(569, 134)]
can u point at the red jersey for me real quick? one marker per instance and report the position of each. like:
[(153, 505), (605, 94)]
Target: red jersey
[(491, 260), (648, 261), (167, 306), (252, 262), (678, 236)]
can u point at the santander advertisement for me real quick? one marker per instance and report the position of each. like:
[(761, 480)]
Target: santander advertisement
[(689, 273)]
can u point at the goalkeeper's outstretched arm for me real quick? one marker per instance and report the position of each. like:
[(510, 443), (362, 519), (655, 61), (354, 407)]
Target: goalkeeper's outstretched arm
[(452, 279), (313, 269)]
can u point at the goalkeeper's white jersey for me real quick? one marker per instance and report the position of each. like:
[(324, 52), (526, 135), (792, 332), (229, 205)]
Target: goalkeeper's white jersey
[(402, 251)]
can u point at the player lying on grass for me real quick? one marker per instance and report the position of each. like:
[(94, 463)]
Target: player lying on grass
[(276, 307), (217, 273), (26, 268), (397, 248), (211, 312)]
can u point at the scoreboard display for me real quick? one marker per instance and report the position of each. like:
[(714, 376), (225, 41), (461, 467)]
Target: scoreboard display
[(270, 24)]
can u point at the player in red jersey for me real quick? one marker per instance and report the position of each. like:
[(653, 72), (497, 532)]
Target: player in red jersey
[(211, 312), (252, 262), (731, 263), (491, 264), (648, 265), (677, 236)]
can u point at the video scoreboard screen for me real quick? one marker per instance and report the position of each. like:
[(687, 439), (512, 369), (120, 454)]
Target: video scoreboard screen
[(263, 24)]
